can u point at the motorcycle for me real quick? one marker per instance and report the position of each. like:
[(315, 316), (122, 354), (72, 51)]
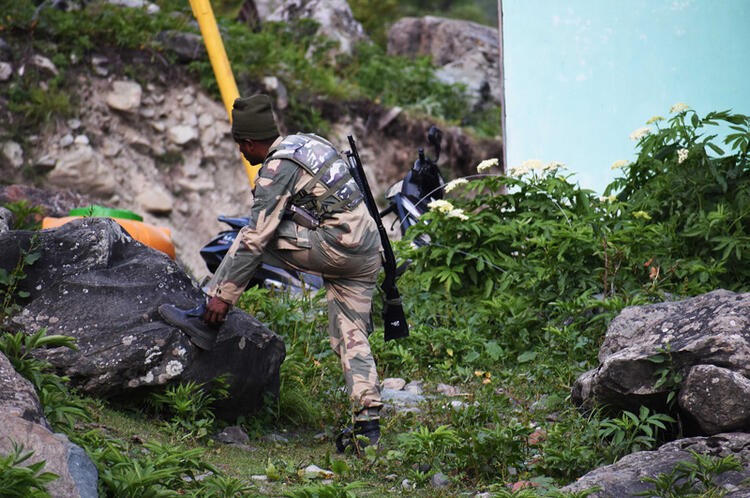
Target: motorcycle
[(407, 199)]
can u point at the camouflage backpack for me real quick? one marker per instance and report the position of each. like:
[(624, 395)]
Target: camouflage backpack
[(320, 158)]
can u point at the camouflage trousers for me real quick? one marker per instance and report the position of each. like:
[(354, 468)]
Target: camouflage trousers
[(349, 276)]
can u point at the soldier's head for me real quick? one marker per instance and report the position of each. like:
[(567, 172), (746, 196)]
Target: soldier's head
[(254, 126)]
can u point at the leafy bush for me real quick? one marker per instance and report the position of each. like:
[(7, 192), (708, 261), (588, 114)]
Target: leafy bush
[(292, 52), (219, 486), (573, 445), (141, 470), (427, 447), (39, 104), (25, 217), (696, 193), (61, 408), (20, 479), (543, 261), (404, 82), (310, 374), (530, 269), (630, 432), (696, 477), (10, 281), (105, 24), (190, 405)]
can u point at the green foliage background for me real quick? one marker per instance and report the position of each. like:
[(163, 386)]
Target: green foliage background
[(509, 301), (290, 52)]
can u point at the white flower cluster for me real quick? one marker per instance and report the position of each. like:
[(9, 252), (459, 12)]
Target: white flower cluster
[(526, 167), (608, 199), (553, 165), (619, 164), (457, 213), (455, 183), (682, 154), (443, 206), (440, 205), (487, 164), (678, 108), (640, 133), (535, 165)]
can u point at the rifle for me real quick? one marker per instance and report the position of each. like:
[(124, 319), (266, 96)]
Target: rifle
[(394, 319)]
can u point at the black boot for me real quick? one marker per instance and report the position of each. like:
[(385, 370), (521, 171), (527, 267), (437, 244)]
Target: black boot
[(348, 437), (189, 321)]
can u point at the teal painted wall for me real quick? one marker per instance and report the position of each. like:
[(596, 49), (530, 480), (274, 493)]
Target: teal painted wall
[(581, 75)]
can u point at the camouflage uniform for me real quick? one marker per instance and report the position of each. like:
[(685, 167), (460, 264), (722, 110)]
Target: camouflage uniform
[(345, 250)]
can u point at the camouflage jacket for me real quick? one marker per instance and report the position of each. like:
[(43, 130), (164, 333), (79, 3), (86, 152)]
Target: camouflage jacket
[(349, 228)]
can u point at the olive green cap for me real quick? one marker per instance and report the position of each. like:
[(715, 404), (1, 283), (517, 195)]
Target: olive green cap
[(252, 118)]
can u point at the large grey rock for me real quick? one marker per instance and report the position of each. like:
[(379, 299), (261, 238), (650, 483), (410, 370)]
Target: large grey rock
[(709, 340), (93, 282), (23, 423), (17, 396), (77, 473), (716, 398), (82, 168), (625, 478), (463, 51), (334, 16)]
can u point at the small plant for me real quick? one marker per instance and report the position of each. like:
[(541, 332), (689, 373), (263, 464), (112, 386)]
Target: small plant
[(190, 405), (424, 447), (39, 105), (667, 376), (696, 477), (20, 479), (26, 216), (219, 486), (61, 408), (630, 432), (148, 470), (573, 446), (10, 280), (495, 450), (310, 370), (334, 490)]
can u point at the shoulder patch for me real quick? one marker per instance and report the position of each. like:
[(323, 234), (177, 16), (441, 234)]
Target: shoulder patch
[(272, 166)]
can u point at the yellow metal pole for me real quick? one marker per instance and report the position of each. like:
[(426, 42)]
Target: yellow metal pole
[(204, 14)]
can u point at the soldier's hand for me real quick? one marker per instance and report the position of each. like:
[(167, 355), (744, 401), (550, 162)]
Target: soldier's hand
[(216, 311)]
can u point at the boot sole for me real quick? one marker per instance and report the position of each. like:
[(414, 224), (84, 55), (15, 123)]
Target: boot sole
[(194, 327)]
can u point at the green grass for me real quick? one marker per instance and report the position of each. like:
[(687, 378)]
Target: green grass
[(293, 53), (303, 446)]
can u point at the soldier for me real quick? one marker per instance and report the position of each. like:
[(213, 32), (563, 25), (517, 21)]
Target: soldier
[(308, 215)]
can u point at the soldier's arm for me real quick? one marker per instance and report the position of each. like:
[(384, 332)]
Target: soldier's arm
[(273, 191)]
